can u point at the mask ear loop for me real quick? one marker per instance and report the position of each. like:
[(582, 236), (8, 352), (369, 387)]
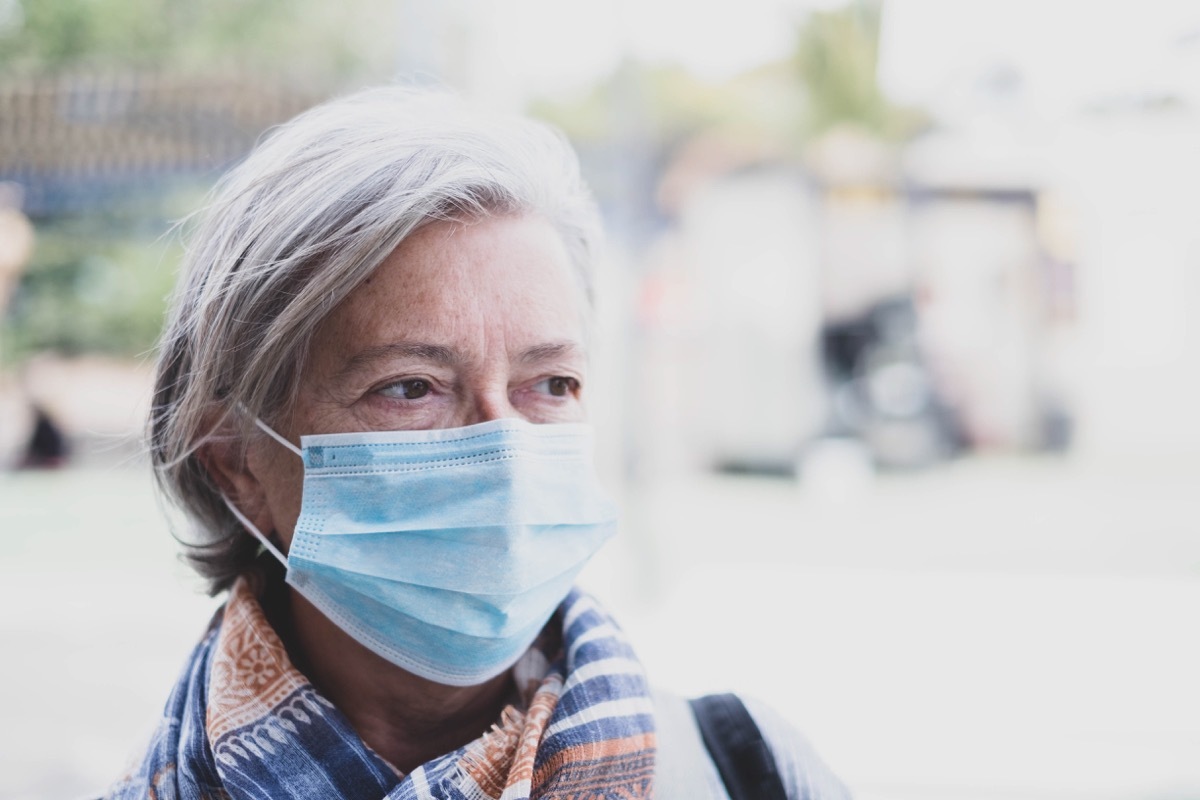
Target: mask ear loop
[(267, 429), (242, 518), (253, 529)]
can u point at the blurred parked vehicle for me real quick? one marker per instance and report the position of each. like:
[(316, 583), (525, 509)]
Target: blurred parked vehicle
[(882, 391)]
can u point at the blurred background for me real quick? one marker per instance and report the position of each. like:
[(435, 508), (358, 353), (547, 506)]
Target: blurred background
[(897, 366)]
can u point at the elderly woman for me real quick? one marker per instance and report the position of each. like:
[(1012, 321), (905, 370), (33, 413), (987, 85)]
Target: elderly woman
[(371, 401)]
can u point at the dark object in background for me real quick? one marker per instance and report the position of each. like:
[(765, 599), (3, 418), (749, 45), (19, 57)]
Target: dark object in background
[(47, 448), (883, 391)]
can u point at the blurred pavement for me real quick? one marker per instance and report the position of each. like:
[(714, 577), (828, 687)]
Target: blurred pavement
[(997, 628)]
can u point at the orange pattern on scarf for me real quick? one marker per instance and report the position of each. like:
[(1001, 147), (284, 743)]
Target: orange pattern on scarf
[(251, 671)]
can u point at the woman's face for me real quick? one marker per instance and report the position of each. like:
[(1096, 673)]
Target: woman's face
[(463, 323)]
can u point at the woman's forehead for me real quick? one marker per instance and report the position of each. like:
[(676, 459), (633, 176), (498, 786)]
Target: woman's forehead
[(466, 288)]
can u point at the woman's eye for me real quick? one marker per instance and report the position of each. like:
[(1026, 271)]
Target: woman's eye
[(560, 386), (411, 389)]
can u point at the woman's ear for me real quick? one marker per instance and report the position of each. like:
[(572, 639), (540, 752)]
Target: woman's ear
[(224, 455)]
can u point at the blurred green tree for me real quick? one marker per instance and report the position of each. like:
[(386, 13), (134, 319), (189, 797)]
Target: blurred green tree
[(829, 80), (836, 59), (96, 283), (302, 37)]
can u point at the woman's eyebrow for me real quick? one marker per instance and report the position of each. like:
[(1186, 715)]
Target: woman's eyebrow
[(422, 351), (549, 352)]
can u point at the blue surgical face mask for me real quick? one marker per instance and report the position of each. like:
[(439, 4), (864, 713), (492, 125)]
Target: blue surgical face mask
[(445, 551)]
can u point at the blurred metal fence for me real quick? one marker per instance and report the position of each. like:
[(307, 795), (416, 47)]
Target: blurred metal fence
[(76, 141)]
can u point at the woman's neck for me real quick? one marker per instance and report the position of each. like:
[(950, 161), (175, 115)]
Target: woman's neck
[(404, 718)]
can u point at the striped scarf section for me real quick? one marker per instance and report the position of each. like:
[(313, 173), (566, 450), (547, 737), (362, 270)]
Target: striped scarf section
[(243, 723)]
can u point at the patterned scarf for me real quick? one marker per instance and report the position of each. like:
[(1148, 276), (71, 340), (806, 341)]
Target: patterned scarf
[(242, 722)]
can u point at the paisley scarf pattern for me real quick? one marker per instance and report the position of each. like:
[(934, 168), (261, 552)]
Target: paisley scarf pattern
[(243, 723)]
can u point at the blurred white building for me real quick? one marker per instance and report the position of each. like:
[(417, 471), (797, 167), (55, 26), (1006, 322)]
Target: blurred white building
[(1095, 106)]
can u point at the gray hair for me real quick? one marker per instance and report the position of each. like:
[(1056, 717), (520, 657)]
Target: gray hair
[(292, 230)]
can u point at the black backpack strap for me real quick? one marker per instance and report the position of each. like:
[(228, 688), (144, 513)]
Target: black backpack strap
[(737, 747)]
